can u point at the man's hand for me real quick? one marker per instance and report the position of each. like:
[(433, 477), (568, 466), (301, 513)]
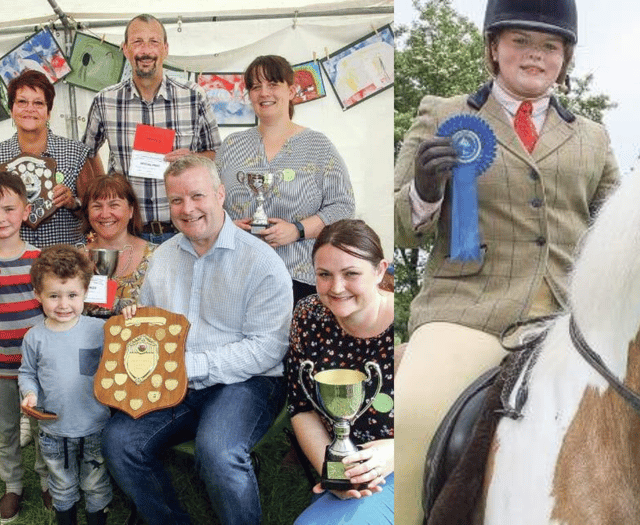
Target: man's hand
[(434, 160)]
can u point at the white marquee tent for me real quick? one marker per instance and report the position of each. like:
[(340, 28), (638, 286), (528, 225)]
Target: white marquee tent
[(225, 36)]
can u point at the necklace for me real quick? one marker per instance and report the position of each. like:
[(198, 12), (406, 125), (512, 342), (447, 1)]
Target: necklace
[(123, 271)]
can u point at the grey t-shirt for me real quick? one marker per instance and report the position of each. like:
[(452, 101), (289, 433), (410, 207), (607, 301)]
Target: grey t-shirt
[(60, 367)]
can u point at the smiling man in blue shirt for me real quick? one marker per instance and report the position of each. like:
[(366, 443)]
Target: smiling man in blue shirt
[(237, 294)]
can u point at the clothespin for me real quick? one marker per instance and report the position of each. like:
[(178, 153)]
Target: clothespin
[(374, 29), (315, 58), (179, 24), (295, 19), (326, 53), (102, 38)]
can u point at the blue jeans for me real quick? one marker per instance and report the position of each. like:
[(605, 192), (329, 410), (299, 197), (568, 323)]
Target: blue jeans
[(80, 467), (226, 421), (157, 239), (376, 509)]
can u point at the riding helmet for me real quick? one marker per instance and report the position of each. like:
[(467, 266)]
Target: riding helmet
[(551, 16)]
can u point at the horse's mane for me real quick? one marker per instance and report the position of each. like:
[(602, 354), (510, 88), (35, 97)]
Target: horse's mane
[(605, 283)]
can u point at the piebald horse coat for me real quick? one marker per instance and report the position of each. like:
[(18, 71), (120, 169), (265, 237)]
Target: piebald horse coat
[(574, 456)]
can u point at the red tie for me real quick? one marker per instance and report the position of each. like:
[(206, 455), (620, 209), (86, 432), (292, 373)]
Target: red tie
[(524, 126)]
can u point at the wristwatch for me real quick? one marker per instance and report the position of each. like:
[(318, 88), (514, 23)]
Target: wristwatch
[(300, 227)]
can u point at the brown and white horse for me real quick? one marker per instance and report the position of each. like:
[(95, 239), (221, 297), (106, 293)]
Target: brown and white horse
[(574, 456)]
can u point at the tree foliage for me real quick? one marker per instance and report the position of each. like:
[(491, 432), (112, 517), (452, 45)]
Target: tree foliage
[(442, 53)]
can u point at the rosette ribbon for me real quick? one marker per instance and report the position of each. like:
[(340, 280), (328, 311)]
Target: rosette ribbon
[(475, 145)]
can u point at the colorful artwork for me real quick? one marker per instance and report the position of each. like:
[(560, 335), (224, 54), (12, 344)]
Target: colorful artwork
[(362, 69), (40, 52), (308, 81), (5, 112), (229, 98), (96, 64)]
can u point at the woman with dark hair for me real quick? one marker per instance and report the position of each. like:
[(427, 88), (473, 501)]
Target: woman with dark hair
[(347, 324), (111, 219), (30, 96), (312, 182)]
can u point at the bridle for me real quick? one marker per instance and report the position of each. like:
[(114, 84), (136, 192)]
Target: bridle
[(598, 364)]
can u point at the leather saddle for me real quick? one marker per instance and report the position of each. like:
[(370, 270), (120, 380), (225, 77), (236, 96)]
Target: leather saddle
[(453, 436)]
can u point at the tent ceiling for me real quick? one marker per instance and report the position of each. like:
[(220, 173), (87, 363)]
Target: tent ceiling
[(88, 11)]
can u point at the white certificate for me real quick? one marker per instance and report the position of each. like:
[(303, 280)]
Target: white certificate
[(147, 164), (97, 292)]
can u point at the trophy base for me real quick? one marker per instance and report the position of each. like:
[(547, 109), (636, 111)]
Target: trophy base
[(257, 228), (333, 477)]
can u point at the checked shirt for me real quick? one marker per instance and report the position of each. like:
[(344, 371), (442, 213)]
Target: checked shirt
[(117, 110)]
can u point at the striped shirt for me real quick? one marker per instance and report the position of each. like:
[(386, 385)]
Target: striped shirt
[(178, 105), (237, 297), (19, 309), (312, 179), (63, 227)]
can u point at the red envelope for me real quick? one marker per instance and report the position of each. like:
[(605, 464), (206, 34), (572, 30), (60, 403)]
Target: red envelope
[(154, 140)]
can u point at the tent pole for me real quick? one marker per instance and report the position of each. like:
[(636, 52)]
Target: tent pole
[(72, 122), (357, 11)]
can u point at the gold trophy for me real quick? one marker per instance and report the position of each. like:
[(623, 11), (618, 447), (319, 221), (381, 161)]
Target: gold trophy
[(262, 184), (340, 393)]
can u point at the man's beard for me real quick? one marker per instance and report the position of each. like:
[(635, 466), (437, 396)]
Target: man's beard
[(141, 73)]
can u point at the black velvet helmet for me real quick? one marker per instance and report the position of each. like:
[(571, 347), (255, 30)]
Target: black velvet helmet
[(551, 16)]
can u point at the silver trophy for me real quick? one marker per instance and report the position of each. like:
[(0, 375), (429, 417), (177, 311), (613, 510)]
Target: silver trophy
[(262, 184), (106, 261), (341, 394)]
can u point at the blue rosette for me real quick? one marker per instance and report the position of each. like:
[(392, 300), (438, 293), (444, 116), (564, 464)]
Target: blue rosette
[(475, 145)]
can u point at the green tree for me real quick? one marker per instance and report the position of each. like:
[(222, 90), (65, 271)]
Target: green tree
[(442, 53)]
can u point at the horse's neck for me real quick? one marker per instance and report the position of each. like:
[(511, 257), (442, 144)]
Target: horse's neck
[(600, 454)]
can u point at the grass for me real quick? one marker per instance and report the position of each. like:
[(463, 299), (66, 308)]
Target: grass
[(284, 489)]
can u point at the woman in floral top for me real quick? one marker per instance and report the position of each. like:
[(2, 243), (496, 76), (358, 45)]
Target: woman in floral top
[(111, 219), (348, 323)]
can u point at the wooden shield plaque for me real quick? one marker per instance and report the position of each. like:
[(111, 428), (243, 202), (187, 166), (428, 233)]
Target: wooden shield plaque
[(142, 366), (39, 176)]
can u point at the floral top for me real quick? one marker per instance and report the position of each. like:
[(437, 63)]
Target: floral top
[(317, 336), (128, 287)]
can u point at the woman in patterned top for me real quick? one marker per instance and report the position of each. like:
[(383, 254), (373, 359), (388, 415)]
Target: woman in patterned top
[(30, 96), (111, 218), (312, 183), (348, 323)]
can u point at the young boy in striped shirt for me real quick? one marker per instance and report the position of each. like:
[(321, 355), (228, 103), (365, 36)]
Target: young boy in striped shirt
[(19, 311)]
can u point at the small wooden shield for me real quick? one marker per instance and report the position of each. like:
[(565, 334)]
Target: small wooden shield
[(142, 366), (39, 177)]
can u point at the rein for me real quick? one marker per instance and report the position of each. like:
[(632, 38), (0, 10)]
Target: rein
[(596, 362), (521, 362)]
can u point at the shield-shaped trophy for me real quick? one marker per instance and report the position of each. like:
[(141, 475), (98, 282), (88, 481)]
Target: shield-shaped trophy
[(142, 366), (39, 177)]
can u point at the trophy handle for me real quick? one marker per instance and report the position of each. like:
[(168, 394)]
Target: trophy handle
[(368, 366), (241, 176), (303, 366)]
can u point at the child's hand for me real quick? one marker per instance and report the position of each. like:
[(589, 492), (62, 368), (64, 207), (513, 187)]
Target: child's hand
[(30, 400), (129, 311)]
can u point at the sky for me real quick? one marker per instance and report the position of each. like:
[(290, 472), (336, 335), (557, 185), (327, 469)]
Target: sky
[(608, 46)]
